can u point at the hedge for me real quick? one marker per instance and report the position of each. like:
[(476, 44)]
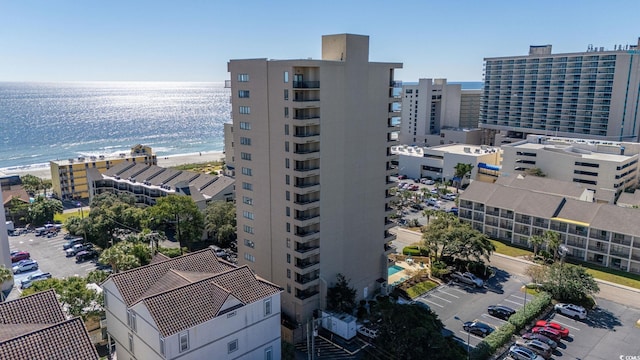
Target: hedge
[(517, 322), (415, 251)]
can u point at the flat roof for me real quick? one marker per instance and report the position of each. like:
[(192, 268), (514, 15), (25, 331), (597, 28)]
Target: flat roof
[(571, 150), (462, 149)]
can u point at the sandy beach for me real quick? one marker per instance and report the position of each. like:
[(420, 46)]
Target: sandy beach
[(44, 172)]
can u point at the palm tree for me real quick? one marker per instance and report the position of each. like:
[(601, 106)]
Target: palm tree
[(552, 239), (5, 275), (536, 241), (461, 171)]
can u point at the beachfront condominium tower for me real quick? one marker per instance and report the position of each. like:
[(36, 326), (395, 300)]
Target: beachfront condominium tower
[(592, 94), (313, 163)]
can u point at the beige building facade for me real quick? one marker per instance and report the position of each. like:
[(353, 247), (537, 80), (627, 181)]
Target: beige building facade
[(312, 146), (69, 177), (593, 94)]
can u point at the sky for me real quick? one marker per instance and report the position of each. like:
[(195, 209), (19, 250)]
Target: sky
[(189, 40)]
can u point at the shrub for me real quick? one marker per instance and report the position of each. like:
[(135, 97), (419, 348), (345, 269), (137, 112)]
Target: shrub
[(534, 308), (493, 342), (420, 288), (415, 251), (439, 269)]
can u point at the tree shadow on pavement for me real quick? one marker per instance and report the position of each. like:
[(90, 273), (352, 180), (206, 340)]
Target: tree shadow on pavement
[(602, 319), (495, 282)]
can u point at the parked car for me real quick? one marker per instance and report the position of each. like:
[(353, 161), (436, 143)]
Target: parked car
[(402, 177), (450, 197), (537, 347), (548, 332), (564, 332), (434, 191), (570, 310), (532, 336), (468, 278), (417, 206), (72, 242), (19, 255), (477, 328), (85, 255), (75, 249), (26, 283), (501, 312), (431, 201), (454, 210), (24, 265), (522, 353), (427, 181)]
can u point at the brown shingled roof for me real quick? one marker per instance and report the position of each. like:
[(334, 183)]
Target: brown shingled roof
[(202, 278), (22, 310)]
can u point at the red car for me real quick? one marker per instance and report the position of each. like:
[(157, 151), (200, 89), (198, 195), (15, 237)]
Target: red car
[(564, 332), (19, 255), (551, 333)]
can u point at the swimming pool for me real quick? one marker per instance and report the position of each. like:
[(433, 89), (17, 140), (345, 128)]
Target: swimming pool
[(394, 269)]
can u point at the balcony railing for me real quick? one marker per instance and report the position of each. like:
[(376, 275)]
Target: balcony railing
[(306, 84), (306, 293), (305, 116), (303, 264), (306, 168), (307, 279), (306, 248)]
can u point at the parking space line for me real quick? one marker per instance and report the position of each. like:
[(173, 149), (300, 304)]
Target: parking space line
[(458, 290), (438, 297), (494, 318), (434, 303), (563, 324), (463, 342), (444, 292), (513, 302), (520, 297)]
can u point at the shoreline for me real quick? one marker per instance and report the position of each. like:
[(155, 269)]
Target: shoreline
[(44, 171)]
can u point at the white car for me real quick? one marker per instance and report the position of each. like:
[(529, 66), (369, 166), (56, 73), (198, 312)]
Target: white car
[(570, 310), (468, 278)]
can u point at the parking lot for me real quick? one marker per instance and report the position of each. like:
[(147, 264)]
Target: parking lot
[(49, 255), (608, 332), (412, 213)]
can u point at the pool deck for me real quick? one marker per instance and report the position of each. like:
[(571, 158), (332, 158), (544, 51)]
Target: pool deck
[(404, 274)]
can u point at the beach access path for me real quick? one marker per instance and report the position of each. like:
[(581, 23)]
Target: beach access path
[(163, 161)]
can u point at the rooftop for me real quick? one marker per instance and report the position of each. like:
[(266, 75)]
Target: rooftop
[(461, 149)]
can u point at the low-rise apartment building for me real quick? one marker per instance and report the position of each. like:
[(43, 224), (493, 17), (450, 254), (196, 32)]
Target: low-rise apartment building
[(69, 177), (147, 183), (598, 165), (439, 162), (195, 306), (514, 209)]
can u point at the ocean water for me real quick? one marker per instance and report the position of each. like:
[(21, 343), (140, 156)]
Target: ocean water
[(40, 122)]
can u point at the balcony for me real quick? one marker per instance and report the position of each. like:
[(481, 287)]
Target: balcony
[(623, 253), (306, 294), (306, 279), (389, 249), (306, 233), (304, 248), (389, 236), (306, 84), (307, 263), (600, 249), (388, 224), (622, 240)]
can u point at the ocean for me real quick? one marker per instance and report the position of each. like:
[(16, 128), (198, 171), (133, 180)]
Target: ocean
[(40, 122)]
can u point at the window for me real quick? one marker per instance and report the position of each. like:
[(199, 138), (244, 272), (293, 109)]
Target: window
[(287, 179), (287, 195), (131, 319), (131, 343), (286, 76), (247, 215), (286, 94), (106, 303), (248, 229), (247, 200), (243, 93), (232, 314), (286, 163), (245, 125), (289, 288), (286, 112), (288, 243), (245, 156), (288, 227), (288, 258), (162, 346), (246, 171), (286, 129), (249, 257), (232, 346), (288, 273), (286, 146), (245, 110), (268, 353), (243, 77), (288, 211), (184, 341), (267, 307), (249, 243), (247, 186), (245, 141)]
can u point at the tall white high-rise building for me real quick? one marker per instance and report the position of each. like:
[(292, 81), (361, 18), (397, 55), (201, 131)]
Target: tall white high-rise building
[(313, 162), (593, 94)]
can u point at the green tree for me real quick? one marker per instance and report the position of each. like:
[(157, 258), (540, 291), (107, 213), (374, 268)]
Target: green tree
[(535, 172), (42, 210), (97, 276), (341, 297), (567, 282), (553, 242), (435, 236), (182, 214), (31, 184), (461, 170), (74, 295), (5, 275), (17, 210), (536, 241), (118, 258), (220, 222), (108, 214), (412, 332)]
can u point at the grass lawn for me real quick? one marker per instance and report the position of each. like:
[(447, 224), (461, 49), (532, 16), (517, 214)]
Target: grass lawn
[(206, 167), (502, 248), (421, 288), (61, 218)]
